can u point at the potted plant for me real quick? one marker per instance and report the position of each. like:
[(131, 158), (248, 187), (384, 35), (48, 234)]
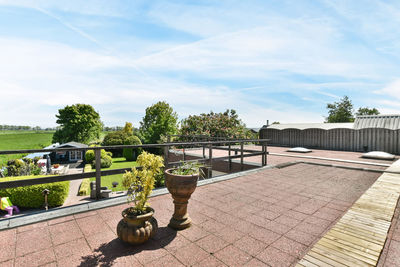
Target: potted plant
[(181, 183), (138, 223)]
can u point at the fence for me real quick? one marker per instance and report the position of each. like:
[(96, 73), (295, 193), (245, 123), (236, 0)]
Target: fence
[(99, 173), (369, 139)]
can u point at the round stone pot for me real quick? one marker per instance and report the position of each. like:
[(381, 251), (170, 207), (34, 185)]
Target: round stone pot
[(136, 230), (181, 188)]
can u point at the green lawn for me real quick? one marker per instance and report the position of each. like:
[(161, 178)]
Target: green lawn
[(14, 140), (118, 163)]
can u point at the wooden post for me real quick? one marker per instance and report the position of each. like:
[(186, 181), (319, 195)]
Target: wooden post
[(230, 160), (97, 153), (166, 151), (204, 151), (210, 160), (266, 153), (241, 156), (183, 154)]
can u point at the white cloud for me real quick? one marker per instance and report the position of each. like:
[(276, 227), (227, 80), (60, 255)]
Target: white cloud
[(392, 89)]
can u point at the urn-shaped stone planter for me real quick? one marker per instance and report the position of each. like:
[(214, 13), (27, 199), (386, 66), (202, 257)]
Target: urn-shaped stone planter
[(181, 188), (136, 230)]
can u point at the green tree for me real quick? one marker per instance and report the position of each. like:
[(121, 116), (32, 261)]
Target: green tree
[(341, 111), (131, 154), (367, 111), (160, 119), (226, 124), (79, 122)]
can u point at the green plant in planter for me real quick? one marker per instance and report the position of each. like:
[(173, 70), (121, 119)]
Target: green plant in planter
[(189, 168), (140, 183)]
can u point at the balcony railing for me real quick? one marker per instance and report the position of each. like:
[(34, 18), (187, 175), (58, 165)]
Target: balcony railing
[(235, 146)]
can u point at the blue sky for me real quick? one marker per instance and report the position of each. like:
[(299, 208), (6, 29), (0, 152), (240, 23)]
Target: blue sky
[(269, 60)]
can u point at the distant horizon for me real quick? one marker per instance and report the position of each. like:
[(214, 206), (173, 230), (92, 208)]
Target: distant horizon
[(269, 60)]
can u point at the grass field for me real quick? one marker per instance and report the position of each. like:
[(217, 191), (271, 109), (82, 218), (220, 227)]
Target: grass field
[(14, 140), (118, 163)]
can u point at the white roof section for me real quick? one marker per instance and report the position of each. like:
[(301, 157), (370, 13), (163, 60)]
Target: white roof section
[(378, 121), (302, 126)]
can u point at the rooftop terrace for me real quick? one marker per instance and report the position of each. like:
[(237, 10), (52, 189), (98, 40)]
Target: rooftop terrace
[(267, 217)]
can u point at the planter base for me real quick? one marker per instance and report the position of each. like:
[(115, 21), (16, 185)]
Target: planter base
[(180, 224)]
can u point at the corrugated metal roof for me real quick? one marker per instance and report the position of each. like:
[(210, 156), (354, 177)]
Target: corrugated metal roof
[(74, 144), (377, 121), (302, 126)]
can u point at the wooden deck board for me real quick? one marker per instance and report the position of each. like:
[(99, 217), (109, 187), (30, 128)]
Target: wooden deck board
[(357, 239)]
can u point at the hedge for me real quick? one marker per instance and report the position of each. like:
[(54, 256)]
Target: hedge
[(84, 189), (31, 196)]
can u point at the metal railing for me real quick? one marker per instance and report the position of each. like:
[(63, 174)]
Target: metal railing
[(226, 145)]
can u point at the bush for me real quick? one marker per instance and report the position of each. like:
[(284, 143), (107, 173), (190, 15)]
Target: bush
[(88, 168), (84, 189), (31, 196), (105, 161), (131, 154)]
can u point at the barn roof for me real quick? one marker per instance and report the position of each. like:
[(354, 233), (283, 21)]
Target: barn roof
[(302, 126)]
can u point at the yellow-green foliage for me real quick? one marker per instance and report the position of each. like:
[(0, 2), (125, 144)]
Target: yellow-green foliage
[(140, 183), (88, 168), (84, 189), (31, 196)]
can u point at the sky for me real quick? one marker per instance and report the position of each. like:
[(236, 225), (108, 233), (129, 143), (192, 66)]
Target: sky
[(269, 60)]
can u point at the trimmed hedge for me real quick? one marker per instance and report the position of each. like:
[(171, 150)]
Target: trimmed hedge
[(84, 189), (31, 196)]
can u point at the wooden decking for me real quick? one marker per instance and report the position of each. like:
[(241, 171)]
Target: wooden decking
[(357, 239)]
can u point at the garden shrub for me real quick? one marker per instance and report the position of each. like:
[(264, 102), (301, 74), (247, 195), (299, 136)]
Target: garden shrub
[(31, 196), (105, 161), (88, 168), (131, 154), (84, 189)]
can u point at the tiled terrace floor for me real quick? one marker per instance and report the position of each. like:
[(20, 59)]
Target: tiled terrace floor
[(268, 218)]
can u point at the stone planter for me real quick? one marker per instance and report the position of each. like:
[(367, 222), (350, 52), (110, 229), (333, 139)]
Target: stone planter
[(181, 188), (136, 230)]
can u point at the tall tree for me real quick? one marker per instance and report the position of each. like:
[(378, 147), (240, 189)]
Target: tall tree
[(367, 111), (79, 122), (160, 119), (225, 124), (341, 111)]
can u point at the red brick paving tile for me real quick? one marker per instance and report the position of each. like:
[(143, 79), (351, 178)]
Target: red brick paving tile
[(277, 227), (318, 221), (301, 237), (197, 218), (166, 261), (211, 261), (229, 235), (275, 257), (250, 245), (172, 243), (212, 243), (92, 225), (77, 247), (226, 218), (65, 232), (286, 220), (232, 256), (8, 237), (85, 214), (148, 255), (256, 263), (96, 240), (277, 209), (310, 206), (264, 235), (32, 241), (190, 254), (287, 204), (112, 224), (194, 233), (36, 259), (51, 264), (163, 232), (246, 226), (309, 228), (77, 260), (212, 226), (328, 215), (290, 246), (296, 215), (270, 215), (61, 219), (31, 227), (9, 263)]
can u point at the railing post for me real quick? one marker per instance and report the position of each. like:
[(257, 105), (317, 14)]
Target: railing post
[(166, 151), (204, 151), (183, 154), (210, 160), (241, 156), (266, 153), (97, 153), (263, 154), (230, 160)]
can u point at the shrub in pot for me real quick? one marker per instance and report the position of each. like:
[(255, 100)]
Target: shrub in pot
[(181, 183), (138, 223)]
